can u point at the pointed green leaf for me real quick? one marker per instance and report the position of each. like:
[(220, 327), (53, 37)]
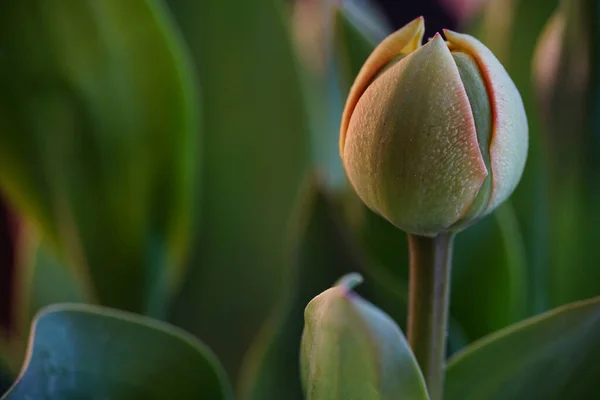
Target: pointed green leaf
[(255, 156), (551, 356), (97, 138), (352, 350), (79, 351)]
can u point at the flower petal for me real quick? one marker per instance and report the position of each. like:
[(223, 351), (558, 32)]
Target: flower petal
[(404, 41), (509, 142)]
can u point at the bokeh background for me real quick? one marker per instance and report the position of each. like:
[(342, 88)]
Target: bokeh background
[(179, 159)]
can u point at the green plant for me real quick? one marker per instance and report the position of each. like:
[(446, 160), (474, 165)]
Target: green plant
[(174, 170)]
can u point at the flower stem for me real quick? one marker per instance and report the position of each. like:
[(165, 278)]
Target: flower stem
[(429, 297)]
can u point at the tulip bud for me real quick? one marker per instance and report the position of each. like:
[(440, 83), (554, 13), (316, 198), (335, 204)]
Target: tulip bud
[(352, 350), (433, 137)]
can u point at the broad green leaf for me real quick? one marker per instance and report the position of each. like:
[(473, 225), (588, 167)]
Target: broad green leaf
[(255, 143), (79, 351), (551, 356), (352, 350), (510, 29), (97, 137)]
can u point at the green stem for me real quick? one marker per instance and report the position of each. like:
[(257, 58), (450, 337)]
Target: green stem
[(429, 297)]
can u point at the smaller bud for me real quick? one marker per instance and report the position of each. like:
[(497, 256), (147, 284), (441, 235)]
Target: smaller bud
[(352, 350)]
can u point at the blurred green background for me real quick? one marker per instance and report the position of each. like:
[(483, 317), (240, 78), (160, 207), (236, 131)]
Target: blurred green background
[(179, 159)]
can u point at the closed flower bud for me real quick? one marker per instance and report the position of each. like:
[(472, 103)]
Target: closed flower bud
[(352, 350), (433, 136)]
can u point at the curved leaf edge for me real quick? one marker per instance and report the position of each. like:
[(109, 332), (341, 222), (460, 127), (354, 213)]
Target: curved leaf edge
[(175, 332), (514, 328)]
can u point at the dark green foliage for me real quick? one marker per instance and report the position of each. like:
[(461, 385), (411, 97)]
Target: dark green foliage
[(157, 151)]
